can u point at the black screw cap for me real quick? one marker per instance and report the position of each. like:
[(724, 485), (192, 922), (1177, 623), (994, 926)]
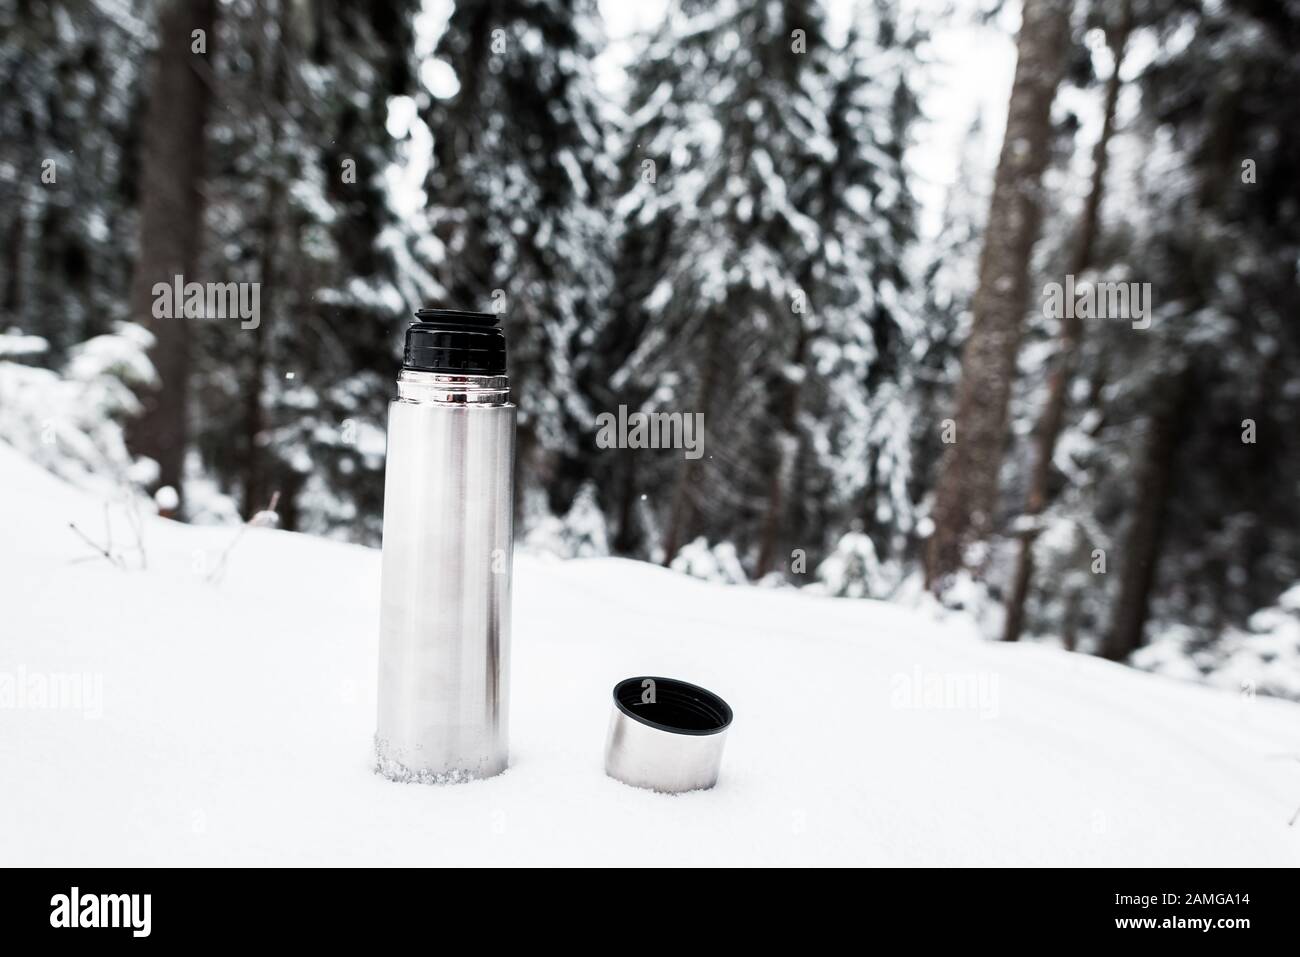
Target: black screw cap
[(455, 341)]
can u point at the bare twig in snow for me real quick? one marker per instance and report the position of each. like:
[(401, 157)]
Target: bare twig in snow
[(135, 520), (1289, 757), (113, 559), (266, 518)]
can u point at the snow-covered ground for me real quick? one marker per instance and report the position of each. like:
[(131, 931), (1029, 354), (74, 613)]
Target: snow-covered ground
[(230, 722)]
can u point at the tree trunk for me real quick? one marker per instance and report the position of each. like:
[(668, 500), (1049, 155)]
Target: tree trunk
[(966, 496), (787, 443), (681, 522), (275, 53), (171, 220), (625, 539), (12, 300), (1146, 531), (1070, 627), (681, 515), (1070, 334)]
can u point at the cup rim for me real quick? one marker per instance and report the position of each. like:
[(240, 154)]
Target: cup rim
[(711, 700)]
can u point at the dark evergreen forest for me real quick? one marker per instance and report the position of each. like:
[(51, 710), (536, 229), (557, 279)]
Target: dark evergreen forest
[(1069, 411)]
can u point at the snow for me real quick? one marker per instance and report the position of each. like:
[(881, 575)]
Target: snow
[(1262, 658), (852, 570), (167, 498), (717, 563), (71, 422), (578, 534), (230, 723)]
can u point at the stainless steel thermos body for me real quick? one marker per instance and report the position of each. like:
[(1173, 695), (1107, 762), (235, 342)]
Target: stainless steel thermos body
[(444, 644)]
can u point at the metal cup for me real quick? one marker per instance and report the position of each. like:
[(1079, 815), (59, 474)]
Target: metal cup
[(666, 735)]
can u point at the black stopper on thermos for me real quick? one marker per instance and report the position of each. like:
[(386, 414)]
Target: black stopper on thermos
[(455, 341)]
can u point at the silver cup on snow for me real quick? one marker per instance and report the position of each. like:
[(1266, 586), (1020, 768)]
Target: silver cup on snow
[(666, 735)]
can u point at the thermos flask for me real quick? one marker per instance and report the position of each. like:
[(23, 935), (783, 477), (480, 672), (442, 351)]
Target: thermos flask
[(444, 643)]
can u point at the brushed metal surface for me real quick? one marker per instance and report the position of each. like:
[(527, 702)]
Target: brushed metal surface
[(444, 645)]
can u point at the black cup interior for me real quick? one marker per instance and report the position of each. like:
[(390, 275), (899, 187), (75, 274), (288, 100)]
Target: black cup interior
[(675, 706)]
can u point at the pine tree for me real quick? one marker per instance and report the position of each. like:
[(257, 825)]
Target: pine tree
[(850, 362), (516, 190), (299, 206), (871, 328), (1211, 515), (759, 273), (724, 126), (71, 75)]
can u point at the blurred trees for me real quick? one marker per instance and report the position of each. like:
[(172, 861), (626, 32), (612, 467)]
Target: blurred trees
[(1171, 493), (966, 498), (69, 125), (516, 217), (298, 203), (171, 222), (741, 242), (1047, 428), (947, 283), (1219, 238), (760, 279)]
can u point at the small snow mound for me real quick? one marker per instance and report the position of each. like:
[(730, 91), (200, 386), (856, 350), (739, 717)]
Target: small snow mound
[(579, 534), (167, 499), (717, 564), (852, 569)]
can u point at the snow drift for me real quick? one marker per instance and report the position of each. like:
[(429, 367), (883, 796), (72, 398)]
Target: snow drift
[(172, 715)]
